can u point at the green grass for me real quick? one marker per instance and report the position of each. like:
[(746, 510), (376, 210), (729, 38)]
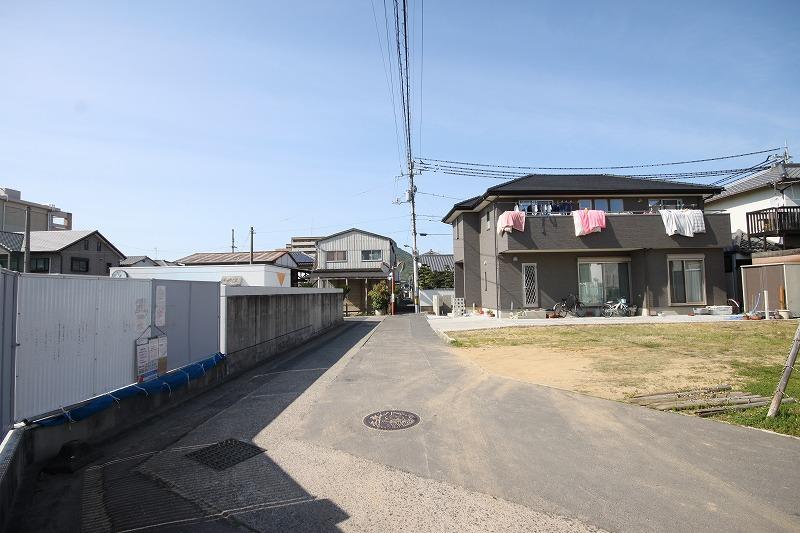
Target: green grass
[(762, 379)]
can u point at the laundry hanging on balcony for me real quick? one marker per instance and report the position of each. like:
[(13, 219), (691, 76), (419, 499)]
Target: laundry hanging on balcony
[(684, 222), (588, 221), (509, 220)]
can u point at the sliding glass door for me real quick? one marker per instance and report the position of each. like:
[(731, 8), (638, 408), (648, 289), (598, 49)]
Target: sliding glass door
[(600, 281)]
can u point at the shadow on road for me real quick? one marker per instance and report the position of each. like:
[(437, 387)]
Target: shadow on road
[(145, 483)]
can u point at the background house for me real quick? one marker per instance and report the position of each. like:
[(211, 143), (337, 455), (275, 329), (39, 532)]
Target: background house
[(61, 252), (276, 258), (764, 209), (354, 260), (631, 258), (43, 217)]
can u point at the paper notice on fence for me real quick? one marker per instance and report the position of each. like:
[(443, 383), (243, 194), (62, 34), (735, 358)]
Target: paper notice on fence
[(142, 358), (162, 355), (141, 315), (161, 305)]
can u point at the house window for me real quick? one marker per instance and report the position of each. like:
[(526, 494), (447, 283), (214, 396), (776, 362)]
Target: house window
[(371, 255), (687, 280), (40, 265), (99, 248), (665, 203), (85, 244), (78, 264), (586, 203), (458, 228), (485, 281), (609, 205), (615, 205), (488, 219), (336, 256), (536, 207), (603, 280), (601, 204)]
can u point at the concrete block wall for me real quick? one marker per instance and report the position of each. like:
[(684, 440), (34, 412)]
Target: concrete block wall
[(262, 322)]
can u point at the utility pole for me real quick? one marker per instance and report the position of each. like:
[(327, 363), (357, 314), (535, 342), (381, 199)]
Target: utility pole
[(26, 260), (252, 232), (412, 192), (233, 242)]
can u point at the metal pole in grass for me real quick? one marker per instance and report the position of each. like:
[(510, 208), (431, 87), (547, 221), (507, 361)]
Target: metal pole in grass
[(780, 392)]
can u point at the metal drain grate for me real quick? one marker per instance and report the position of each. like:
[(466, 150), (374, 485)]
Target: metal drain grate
[(390, 420), (225, 454)]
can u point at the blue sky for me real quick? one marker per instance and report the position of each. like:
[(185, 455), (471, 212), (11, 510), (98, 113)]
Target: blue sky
[(166, 124)]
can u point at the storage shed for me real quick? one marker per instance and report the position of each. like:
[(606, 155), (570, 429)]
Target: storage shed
[(780, 280)]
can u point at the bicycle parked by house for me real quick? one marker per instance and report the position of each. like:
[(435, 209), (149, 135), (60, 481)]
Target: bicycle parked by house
[(571, 305), (618, 308)]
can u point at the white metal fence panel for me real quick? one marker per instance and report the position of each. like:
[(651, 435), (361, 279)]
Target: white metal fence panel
[(76, 336), (8, 313), (426, 295)]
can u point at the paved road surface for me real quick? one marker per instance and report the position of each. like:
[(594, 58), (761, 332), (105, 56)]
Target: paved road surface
[(490, 454)]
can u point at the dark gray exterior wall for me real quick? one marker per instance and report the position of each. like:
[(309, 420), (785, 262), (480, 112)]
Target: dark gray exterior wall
[(558, 276), (488, 258), (472, 259), (61, 262)]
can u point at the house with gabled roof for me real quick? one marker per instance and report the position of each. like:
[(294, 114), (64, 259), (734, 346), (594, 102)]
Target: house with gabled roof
[(354, 260), (631, 257), (61, 252)]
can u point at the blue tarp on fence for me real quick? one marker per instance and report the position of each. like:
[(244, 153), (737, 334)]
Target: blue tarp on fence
[(169, 382)]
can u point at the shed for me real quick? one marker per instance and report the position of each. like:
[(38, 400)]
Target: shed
[(780, 280)]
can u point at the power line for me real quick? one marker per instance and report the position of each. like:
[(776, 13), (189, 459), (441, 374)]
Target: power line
[(387, 74), (440, 195), (618, 167)]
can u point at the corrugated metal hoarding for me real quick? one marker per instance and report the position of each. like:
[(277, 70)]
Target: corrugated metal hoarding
[(76, 336)]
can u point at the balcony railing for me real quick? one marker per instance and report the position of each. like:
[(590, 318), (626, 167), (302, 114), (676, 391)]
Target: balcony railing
[(774, 222)]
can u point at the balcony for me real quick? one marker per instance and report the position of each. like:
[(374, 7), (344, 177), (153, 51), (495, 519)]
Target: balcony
[(774, 222), (622, 232)]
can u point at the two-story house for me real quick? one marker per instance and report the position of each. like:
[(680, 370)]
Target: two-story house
[(765, 216), (60, 252), (354, 260), (632, 258)]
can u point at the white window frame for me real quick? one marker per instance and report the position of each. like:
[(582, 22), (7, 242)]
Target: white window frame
[(525, 303), (608, 260), (328, 252), (380, 256), (685, 257)]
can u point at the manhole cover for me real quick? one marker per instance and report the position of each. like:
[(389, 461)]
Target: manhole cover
[(391, 420), (225, 454)]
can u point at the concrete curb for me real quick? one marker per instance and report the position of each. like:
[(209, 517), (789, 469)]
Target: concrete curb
[(444, 336)]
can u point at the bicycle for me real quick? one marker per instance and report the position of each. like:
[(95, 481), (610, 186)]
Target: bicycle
[(618, 308), (571, 305)]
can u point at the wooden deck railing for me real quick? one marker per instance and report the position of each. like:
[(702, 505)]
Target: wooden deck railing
[(773, 222)]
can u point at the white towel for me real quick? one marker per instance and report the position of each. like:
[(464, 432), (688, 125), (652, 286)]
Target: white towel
[(696, 221)]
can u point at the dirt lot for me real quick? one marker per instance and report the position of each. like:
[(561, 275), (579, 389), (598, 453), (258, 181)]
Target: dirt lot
[(616, 362)]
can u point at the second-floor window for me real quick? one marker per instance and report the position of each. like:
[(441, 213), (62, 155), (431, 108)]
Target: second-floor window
[(336, 256), (371, 255), (665, 203)]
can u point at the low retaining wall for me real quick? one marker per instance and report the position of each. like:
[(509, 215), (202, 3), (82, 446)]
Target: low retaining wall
[(262, 321)]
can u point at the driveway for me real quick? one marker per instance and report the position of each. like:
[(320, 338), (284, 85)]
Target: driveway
[(489, 454)]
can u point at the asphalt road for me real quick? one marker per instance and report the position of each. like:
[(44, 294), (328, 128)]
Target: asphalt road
[(489, 454)]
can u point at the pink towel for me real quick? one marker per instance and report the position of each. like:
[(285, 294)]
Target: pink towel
[(596, 220), (509, 220), (588, 221)]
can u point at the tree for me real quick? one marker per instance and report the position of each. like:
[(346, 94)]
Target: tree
[(379, 296), (429, 279)]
